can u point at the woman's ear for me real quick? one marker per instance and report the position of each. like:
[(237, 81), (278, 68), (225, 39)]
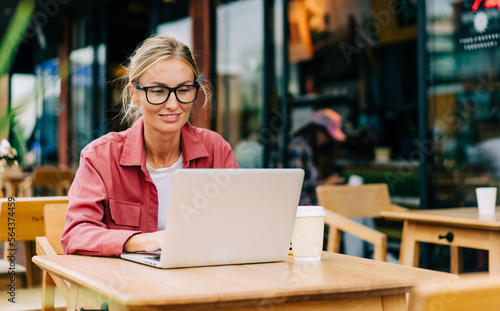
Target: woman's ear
[(131, 91)]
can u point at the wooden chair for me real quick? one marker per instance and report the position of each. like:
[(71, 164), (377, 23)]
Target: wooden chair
[(50, 244), (469, 294), (26, 215), (342, 202), (50, 180)]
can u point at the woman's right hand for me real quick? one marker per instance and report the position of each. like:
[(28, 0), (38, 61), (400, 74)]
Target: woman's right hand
[(147, 242)]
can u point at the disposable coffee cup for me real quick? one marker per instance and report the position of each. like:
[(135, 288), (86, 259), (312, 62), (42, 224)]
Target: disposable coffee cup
[(307, 237), (486, 200)]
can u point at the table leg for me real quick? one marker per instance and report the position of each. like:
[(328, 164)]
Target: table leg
[(394, 303), (456, 265), (73, 296), (9, 189), (494, 254), (410, 249)]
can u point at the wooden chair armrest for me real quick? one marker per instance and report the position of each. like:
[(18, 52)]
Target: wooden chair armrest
[(398, 208), (43, 246), (378, 239)]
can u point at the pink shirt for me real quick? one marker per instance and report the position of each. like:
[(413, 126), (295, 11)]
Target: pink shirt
[(113, 196)]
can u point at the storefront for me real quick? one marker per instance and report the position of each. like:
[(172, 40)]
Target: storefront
[(414, 81), (463, 97)]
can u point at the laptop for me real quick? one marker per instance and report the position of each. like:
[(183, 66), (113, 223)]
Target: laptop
[(228, 216)]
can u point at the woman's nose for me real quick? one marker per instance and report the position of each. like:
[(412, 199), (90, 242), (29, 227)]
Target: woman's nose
[(171, 102)]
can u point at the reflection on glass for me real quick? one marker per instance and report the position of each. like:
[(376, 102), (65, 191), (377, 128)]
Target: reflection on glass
[(22, 93), (44, 140), (23, 96), (180, 29), (463, 38), (88, 99), (239, 78)]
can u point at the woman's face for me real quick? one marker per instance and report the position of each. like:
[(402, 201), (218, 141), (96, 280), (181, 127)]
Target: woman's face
[(169, 117)]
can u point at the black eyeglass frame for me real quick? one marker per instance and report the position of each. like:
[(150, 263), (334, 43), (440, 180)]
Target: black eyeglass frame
[(170, 90)]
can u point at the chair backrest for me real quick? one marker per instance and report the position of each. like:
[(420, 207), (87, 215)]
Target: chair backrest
[(476, 293), (51, 176), (355, 201), (25, 215), (55, 215)]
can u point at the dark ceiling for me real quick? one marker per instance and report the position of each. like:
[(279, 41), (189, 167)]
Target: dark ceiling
[(126, 22)]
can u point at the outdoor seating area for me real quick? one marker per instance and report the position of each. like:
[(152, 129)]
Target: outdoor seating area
[(54, 286), (247, 155)]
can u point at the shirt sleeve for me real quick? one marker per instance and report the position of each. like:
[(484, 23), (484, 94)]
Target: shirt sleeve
[(85, 233), (228, 156)]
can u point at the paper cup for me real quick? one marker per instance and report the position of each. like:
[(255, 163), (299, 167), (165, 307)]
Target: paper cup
[(486, 200), (307, 237), (355, 180)]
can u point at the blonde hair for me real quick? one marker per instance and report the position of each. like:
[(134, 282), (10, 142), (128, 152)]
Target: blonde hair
[(155, 49)]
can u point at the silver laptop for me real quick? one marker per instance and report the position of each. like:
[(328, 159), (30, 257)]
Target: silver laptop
[(228, 216)]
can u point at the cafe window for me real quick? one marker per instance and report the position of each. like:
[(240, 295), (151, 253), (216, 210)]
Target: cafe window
[(22, 91), (359, 59), (239, 78), (174, 20), (88, 94), (43, 141), (88, 99), (463, 48)]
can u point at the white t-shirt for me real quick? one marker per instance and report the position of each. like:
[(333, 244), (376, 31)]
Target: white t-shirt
[(163, 178)]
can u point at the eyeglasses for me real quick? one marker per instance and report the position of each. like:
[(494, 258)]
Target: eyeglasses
[(157, 95)]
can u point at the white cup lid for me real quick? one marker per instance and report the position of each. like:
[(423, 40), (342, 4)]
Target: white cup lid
[(310, 210)]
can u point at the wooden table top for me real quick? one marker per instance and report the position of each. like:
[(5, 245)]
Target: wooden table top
[(465, 216), (14, 174), (336, 275)]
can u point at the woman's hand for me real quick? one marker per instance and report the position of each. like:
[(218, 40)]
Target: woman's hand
[(147, 242)]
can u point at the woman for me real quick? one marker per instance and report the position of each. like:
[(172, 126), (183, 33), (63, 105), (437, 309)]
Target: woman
[(119, 199)]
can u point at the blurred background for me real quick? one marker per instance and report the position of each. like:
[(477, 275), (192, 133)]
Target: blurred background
[(416, 82)]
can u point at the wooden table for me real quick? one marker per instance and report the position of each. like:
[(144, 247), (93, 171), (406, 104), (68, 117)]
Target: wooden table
[(338, 281), (16, 182), (456, 227)]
